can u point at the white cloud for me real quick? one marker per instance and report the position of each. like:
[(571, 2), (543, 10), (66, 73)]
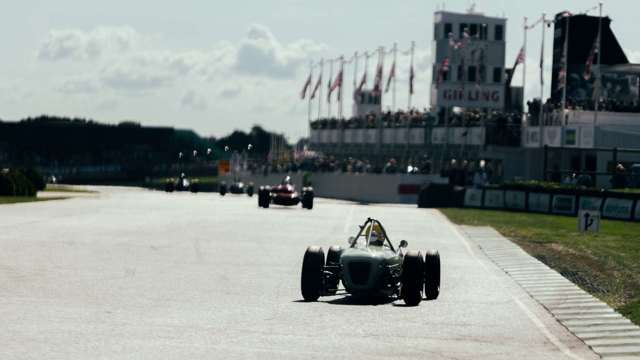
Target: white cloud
[(194, 101), (79, 85), (230, 92), (64, 44), (134, 77), (261, 54)]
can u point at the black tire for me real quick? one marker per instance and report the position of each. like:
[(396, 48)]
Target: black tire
[(263, 198), (222, 189), (250, 191), (168, 187), (431, 275), (311, 281), (194, 188), (307, 200), (412, 278), (333, 262)]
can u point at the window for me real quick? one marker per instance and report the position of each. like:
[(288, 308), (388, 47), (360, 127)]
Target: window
[(483, 31), (460, 73), (473, 30), (482, 72), (499, 35), (497, 75), (463, 27), (448, 29), (472, 77)]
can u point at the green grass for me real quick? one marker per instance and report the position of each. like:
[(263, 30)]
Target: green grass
[(25, 199), (67, 189), (606, 264)]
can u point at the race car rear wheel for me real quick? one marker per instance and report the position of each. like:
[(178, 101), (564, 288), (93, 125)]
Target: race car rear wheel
[(307, 200), (431, 275), (250, 191), (311, 282), (333, 270), (222, 189), (263, 198), (412, 278)]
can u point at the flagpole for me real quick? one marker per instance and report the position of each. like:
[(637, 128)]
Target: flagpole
[(340, 87), (524, 73), (541, 115), (413, 45), (309, 105), (566, 66), (599, 79), (395, 56), (329, 88), (320, 89)]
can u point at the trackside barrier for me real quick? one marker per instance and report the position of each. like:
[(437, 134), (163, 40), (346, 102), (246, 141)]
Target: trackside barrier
[(367, 188), (615, 206)]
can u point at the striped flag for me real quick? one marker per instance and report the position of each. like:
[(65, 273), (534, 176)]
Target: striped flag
[(444, 68), (587, 66), (377, 83), (520, 58), (307, 83), (337, 84), (392, 74), (411, 77), (363, 82), (316, 87)]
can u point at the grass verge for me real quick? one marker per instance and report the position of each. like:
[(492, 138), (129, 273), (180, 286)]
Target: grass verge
[(606, 264), (26, 199), (67, 189)]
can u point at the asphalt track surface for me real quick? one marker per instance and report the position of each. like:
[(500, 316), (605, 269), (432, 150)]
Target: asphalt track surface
[(139, 274)]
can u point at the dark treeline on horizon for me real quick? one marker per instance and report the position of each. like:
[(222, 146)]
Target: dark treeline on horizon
[(51, 141)]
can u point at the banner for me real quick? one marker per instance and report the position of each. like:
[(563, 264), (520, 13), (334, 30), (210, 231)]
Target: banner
[(553, 136), (388, 136), (564, 204), (539, 202), (473, 198), (334, 136), (617, 208), (515, 199), (371, 136), (590, 203), (416, 136), (531, 137), (494, 199), (349, 136)]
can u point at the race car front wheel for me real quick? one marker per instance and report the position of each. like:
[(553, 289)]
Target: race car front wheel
[(431, 275), (332, 270), (412, 278), (311, 282)]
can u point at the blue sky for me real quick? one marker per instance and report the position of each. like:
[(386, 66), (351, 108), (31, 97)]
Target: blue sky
[(215, 66)]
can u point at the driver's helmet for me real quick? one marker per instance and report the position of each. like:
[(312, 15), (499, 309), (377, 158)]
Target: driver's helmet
[(376, 239), (374, 232), (286, 180)]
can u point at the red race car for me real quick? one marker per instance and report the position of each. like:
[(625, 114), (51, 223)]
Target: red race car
[(285, 194)]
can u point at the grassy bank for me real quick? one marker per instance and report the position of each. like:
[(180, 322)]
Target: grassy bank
[(67, 189), (606, 265), (25, 199)]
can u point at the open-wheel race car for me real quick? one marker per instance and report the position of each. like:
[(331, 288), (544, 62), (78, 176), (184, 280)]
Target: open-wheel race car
[(236, 187), (285, 194), (371, 267), (182, 183)]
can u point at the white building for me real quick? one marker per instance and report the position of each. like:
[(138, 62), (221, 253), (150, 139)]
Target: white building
[(473, 45)]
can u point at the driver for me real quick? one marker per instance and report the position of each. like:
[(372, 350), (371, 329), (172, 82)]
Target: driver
[(376, 239)]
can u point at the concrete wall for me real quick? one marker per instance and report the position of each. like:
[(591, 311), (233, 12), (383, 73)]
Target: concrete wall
[(375, 188)]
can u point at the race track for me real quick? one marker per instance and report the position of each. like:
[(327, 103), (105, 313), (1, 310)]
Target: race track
[(141, 274)]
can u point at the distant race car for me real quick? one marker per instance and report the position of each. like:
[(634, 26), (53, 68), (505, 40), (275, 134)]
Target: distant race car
[(182, 183), (237, 187), (371, 267), (285, 194)]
